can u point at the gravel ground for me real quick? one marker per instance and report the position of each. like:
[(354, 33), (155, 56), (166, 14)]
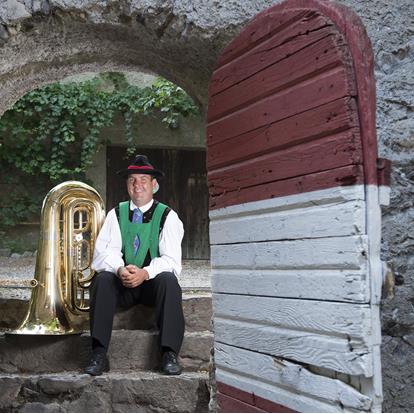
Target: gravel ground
[(15, 274)]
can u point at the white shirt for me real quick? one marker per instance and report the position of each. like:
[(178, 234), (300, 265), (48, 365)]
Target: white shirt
[(107, 255)]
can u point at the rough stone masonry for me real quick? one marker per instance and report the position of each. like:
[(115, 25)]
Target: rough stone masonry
[(46, 40)]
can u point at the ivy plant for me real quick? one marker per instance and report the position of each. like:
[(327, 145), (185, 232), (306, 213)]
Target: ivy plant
[(52, 133)]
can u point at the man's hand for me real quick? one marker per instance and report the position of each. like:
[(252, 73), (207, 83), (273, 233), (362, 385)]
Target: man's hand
[(132, 276)]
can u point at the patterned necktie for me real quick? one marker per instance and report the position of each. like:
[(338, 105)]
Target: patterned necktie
[(136, 218)]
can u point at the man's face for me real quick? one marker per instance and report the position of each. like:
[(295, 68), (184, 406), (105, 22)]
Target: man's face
[(140, 187)]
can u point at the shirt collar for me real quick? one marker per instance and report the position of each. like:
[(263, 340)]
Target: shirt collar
[(143, 208)]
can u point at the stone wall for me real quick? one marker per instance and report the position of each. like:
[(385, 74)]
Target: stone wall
[(45, 40)]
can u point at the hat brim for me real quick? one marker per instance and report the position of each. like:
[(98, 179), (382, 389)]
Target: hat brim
[(126, 172)]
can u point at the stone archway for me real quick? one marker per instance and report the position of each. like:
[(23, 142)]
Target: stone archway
[(50, 40)]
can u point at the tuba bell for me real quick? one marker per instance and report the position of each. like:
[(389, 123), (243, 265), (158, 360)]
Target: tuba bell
[(72, 215)]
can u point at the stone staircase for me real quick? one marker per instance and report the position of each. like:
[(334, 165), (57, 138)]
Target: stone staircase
[(44, 374)]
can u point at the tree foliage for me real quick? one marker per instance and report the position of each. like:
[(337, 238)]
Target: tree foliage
[(52, 133)]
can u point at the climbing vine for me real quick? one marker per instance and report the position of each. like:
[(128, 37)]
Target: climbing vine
[(52, 133)]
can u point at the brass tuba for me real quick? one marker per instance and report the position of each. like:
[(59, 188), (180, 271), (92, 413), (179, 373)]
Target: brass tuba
[(72, 215)]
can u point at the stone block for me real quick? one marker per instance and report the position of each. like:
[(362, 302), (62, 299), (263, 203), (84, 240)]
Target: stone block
[(111, 392), (197, 313), (129, 350)]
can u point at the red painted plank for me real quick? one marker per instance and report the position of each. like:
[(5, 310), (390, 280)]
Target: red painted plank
[(294, 38), (325, 120), (324, 154), (308, 62), (251, 399), (349, 175), (232, 405), (352, 28), (256, 32), (327, 87)]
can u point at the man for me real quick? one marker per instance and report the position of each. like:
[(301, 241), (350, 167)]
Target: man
[(138, 258)]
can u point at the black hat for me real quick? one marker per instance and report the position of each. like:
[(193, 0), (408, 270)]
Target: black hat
[(141, 165)]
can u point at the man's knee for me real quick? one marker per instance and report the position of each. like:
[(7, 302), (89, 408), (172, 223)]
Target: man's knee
[(106, 279), (168, 279)]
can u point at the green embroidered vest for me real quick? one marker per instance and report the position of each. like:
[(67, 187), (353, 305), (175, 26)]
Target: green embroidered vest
[(148, 234)]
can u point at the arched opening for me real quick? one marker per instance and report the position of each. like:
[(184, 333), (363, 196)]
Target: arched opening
[(87, 127)]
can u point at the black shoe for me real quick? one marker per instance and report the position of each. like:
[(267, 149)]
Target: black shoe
[(170, 364), (98, 364)]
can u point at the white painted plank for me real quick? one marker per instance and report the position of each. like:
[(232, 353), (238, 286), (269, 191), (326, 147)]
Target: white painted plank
[(334, 285), (329, 220), (350, 356), (374, 388), (327, 253), (307, 199), (290, 376), (346, 319)]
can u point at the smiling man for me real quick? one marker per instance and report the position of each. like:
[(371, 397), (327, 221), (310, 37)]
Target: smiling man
[(138, 258)]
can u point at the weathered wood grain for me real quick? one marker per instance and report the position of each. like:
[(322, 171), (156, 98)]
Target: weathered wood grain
[(327, 87), (250, 398), (253, 34), (332, 285), (310, 222), (287, 42), (258, 98), (288, 375), (328, 253), (324, 120), (328, 318), (324, 154), (324, 197), (327, 52), (300, 403), (228, 404), (352, 357), (346, 176)]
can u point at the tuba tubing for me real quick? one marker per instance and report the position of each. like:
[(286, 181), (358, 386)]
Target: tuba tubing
[(53, 307)]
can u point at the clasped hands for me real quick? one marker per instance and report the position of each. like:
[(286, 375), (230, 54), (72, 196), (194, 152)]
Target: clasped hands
[(132, 276)]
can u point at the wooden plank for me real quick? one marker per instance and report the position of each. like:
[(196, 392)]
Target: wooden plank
[(346, 176), (374, 388), (277, 371), (333, 285), (292, 39), (324, 154), (251, 399), (350, 356), (342, 219), (312, 54), (269, 24), (327, 87), (228, 404), (328, 318), (294, 201), (350, 25), (327, 253), (324, 120)]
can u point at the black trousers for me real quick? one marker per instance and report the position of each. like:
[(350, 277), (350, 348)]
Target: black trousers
[(162, 292)]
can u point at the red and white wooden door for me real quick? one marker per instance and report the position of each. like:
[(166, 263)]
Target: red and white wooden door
[(295, 215)]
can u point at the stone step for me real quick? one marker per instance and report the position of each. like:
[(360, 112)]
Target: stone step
[(112, 392), (197, 312), (129, 350)]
